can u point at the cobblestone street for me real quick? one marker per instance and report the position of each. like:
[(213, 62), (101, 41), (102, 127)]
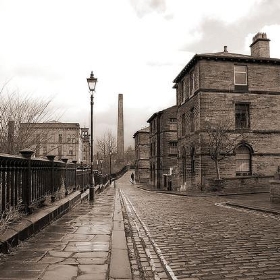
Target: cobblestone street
[(201, 238), (167, 237)]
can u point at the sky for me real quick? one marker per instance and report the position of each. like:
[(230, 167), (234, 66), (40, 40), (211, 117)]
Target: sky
[(134, 47)]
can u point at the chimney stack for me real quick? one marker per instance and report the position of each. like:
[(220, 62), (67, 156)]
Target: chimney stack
[(225, 49), (260, 45), (120, 136)]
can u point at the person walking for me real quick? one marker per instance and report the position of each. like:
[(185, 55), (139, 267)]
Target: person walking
[(132, 178)]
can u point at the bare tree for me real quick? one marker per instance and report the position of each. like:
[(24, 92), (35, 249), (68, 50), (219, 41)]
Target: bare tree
[(129, 155), (16, 108), (107, 147), (106, 144), (221, 142)]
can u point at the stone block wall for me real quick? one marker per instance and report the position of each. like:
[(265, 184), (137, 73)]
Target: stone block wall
[(219, 75), (142, 152), (247, 184), (275, 191), (161, 134), (214, 101)]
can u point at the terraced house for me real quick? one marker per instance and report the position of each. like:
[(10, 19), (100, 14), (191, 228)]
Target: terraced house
[(142, 155), (241, 91), (163, 147)]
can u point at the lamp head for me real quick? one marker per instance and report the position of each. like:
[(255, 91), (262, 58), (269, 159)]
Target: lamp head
[(91, 82)]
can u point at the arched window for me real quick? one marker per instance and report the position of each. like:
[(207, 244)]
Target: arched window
[(243, 161)]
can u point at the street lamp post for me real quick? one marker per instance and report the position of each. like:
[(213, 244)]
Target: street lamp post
[(91, 85)]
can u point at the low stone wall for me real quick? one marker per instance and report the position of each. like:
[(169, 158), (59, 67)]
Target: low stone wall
[(241, 184), (275, 191)]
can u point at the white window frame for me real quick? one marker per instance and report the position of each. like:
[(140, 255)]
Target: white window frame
[(245, 72), (243, 161)]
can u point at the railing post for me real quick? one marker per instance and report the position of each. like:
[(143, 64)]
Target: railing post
[(83, 179), (65, 177), (27, 190), (51, 159), (75, 166), (3, 184)]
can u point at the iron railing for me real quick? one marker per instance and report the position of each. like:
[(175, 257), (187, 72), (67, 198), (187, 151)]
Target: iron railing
[(26, 182)]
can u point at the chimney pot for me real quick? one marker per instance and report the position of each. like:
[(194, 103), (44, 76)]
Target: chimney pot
[(260, 45)]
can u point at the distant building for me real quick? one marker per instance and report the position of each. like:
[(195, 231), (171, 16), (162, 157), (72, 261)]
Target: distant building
[(59, 139), (242, 90), (85, 145), (142, 155), (163, 148)]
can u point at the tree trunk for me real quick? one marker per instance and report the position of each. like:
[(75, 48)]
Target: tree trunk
[(217, 169)]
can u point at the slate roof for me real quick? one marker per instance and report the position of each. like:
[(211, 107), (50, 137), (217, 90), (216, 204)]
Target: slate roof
[(224, 56)]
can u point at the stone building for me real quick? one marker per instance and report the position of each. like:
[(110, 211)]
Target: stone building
[(59, 139), (163, 148), (242, 92), (85, 137), (142, 155)]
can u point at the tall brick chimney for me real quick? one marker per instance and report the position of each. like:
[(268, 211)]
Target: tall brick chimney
[(260, 45), (120, 136)]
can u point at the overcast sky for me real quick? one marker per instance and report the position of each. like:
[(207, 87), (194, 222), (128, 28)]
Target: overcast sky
[(134, 47)]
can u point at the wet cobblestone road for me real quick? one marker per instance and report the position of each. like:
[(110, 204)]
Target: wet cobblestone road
[(200, 238)]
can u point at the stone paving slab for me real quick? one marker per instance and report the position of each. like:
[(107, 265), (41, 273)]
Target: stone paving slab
[(120, 265), (77, 246)]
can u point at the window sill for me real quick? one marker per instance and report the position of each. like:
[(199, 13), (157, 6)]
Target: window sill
[(172, 155), (242, 88), (243, 174), (243, 129)]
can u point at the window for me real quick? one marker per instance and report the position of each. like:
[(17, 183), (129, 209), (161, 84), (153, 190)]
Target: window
[(173, 148), (240, 75), (183, 90), (192, 83), (52, 150), (44, 150), (183, 125), (38, 138), (192, 119), (243, 161), (173, 124), (60, 151), (242, 116), (44, 138), (70, 151), (59, 138), (192, 160)]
